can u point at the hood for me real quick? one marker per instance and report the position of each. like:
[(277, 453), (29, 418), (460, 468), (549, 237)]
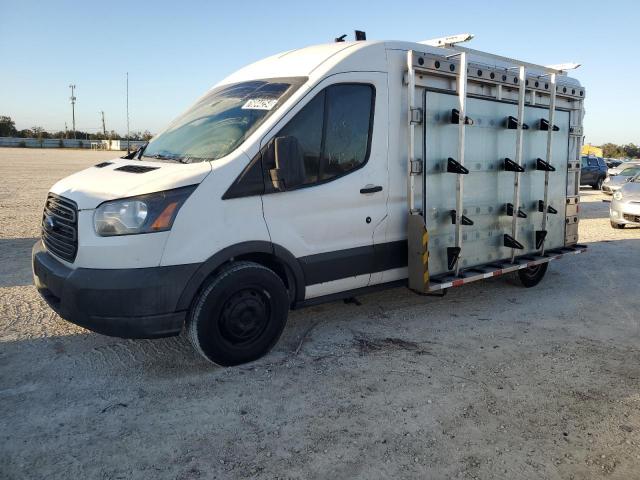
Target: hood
[(618, 180), (121, 178), (631, 192)]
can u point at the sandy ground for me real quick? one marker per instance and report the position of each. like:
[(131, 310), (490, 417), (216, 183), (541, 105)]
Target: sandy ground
[(492, 381)]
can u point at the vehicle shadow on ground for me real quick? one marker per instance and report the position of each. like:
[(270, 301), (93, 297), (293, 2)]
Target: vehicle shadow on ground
[(326, 330), (15, 261)]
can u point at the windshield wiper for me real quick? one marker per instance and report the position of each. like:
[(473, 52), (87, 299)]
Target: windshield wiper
[(161, 156)]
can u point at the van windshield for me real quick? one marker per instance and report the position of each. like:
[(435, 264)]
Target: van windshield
[(221, 120)]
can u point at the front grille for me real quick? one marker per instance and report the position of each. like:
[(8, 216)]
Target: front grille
[(632, 218), (60, 227)]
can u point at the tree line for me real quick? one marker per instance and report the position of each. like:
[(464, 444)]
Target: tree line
[(611, 150), (8, 129)]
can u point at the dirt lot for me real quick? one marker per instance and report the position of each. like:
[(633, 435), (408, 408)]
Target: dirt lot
[(491, 382)]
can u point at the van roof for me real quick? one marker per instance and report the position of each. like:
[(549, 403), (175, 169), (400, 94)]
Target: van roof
[(324, 59)]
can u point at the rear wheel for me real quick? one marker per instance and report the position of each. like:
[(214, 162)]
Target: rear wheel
[(617, 225), (239, 314), (531, 276)]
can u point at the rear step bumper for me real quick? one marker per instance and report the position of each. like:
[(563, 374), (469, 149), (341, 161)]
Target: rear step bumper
[(448, 280)]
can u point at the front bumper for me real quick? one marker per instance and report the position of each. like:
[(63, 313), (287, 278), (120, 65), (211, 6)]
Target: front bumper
[(610, 189), (625, 213), (128, 303)]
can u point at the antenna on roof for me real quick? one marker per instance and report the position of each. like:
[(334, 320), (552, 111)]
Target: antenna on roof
[(360, 35), (341, 38), (448, 40)]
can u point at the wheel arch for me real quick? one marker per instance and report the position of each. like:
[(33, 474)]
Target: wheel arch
[(270, 255)]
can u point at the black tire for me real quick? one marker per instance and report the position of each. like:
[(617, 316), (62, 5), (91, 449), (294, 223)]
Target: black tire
[(598, 184), (530, 277), (617, 225), (239, 314)]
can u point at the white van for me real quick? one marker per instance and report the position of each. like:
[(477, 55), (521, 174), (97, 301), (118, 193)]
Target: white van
[(313, 175)]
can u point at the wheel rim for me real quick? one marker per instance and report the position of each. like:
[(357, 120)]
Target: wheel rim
[(245, 316)]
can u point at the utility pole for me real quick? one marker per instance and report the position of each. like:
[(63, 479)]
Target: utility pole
[(128, 149), (73, 108), (104, 128), (66, 130)]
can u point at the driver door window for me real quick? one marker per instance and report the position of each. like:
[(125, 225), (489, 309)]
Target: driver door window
[(333, 132)]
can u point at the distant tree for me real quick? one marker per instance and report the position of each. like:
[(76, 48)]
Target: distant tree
[(7, 127), (40, 133), (147, 135), (611, 150), (631, 150), (135, 135), (26, 133)]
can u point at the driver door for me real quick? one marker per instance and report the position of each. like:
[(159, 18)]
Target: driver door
[(328, 221)]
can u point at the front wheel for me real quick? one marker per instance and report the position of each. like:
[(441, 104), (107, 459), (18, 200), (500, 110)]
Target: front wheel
[(531, 276), (239, 314), (617, 225)]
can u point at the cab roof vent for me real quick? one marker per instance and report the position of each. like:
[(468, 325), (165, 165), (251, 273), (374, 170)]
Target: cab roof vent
[(103, 164), (135, 169)]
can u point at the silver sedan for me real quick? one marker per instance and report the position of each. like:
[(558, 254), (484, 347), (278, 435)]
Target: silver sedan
[(625, 206), (614, 182)]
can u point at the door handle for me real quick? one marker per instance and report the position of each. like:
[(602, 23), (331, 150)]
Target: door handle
[(371, 189)]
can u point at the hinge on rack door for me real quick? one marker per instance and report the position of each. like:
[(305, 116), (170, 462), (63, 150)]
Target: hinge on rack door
[(416, 116), (416, 167), (575, 131)]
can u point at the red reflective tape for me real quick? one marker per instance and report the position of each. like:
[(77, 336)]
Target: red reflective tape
[(497, 273), (457, 283)]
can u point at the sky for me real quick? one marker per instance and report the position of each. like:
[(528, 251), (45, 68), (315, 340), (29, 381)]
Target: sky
[(176, 50)]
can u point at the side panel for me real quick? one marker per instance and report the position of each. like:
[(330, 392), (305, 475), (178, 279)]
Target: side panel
[(207, 223), (487, 187)]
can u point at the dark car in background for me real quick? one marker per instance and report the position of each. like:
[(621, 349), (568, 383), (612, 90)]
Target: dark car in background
[(593, 172)]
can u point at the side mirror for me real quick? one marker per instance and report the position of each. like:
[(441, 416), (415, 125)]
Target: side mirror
[(289, 160)]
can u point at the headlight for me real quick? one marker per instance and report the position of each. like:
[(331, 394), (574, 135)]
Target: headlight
[(154, 212), (617, 195)]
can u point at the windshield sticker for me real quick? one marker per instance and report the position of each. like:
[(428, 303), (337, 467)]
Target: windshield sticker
[(260, 104)]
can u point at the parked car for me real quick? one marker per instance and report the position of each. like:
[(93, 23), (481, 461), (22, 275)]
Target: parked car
[(625, 206), (612, 163), (622, 166), (593, 172), (614, 182)]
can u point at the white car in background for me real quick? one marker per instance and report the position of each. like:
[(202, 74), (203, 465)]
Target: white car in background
[(625, 206), (620, 176)]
